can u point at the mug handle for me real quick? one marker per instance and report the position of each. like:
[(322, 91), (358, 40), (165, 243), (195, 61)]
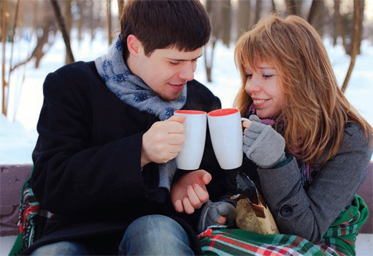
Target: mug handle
[(243, 119)]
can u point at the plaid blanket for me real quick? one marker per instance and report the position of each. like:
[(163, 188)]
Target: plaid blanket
[(338, 240), (32, 219)]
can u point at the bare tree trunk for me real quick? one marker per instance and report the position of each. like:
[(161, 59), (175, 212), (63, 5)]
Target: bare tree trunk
[(273, 6), (258, 8), (314, 10), (244, 11), (355, 43), (108, 20), (91, 25), (361, 19), (61, 25), (208, 63), (12, 49), (316, 15), (120, 8), (213, 7), (5, 86), (226, 18), (292, 7), (80, 20), (68, 25), (340, 24), (32, 32), (335, 28)]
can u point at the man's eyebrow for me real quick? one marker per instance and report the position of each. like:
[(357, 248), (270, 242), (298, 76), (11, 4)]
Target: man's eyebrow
[(184, 59)]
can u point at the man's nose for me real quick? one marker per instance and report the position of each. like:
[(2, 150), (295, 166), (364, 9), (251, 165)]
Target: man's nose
[(187, 71)]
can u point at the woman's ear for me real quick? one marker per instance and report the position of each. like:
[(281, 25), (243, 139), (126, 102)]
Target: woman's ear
[(133, 45)]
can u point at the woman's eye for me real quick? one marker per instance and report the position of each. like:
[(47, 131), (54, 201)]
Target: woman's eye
[(267, 76), (174, 63), (249, 76)]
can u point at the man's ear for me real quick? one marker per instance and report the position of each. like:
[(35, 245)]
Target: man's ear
[(133, 45)]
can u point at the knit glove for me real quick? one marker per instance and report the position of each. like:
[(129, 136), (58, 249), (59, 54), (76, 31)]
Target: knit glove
[(211, 211), (262, 144)]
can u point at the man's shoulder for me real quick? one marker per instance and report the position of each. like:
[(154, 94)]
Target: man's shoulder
[(196, 86), (79, 68), (200, 97), (74, 74), (74, 78)]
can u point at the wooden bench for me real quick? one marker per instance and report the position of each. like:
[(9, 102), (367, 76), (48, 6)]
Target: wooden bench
[(12, 178)]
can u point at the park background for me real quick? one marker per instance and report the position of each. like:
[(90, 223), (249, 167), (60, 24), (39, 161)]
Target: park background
[(39, 36), (32, 45)]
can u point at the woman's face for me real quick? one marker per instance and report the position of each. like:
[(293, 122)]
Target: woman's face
[(263, 86)]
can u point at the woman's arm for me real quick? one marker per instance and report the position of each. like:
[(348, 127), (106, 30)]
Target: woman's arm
[(309, 213)]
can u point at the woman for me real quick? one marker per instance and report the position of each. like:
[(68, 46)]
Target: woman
[(310, 147)]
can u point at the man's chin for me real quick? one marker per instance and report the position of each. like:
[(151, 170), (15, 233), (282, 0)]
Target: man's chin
[(169, 98)]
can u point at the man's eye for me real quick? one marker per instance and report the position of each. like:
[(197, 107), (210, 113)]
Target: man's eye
[(174, 63)]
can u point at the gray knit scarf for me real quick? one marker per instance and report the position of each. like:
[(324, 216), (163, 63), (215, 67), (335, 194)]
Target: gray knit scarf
[(133, 91)]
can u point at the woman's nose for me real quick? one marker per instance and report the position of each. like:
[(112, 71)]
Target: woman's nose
[(252, 85)]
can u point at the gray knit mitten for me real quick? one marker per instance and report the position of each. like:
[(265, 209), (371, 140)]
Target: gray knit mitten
[(211, 211), (262, 144)]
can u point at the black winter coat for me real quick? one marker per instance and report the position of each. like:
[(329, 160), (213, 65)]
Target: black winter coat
[(87, 160)]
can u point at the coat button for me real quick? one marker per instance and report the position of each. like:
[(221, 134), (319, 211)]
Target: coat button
[(286, 211)]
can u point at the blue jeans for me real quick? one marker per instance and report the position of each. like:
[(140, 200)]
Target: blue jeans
[(155, 235), (148, 235), (61, 248)]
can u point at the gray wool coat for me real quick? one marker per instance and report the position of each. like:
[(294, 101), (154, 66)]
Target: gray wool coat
[(309, 213)]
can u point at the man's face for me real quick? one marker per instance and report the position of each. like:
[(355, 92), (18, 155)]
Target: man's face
[(167, 70)]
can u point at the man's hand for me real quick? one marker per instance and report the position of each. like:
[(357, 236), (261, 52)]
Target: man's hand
[(216, 214), (189, 192), (163, 141)]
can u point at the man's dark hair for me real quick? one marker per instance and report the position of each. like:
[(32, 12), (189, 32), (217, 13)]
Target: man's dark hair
[(160, 24)]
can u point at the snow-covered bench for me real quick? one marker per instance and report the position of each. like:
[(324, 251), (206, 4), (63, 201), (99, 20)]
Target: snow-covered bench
[(12, 178)]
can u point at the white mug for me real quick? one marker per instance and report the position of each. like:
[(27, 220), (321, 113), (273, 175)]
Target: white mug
[(190, 156), (226, 136)]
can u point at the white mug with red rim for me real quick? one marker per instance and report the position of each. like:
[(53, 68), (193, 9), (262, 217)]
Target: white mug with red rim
[(190, 156), (226, 136)]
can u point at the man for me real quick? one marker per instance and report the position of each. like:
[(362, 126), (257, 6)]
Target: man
[(104, 159)]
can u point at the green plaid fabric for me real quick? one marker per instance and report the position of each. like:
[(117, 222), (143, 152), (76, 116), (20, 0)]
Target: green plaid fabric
[(32, 219), (338, 240)]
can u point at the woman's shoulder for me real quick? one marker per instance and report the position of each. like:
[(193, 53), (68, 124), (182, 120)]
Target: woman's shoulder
[(352, 129), (355, 136)]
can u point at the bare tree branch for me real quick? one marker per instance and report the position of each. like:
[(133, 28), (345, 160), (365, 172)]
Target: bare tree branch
[(120, 8), (355, 42), (5, 86), (61, 25), (108, 21), (12, 39)]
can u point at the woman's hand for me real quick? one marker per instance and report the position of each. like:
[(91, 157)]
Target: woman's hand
[(189, 192), (262, 144)]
